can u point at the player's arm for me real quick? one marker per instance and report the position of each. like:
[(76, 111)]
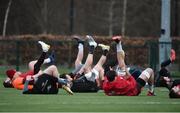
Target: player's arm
[(25, 89)]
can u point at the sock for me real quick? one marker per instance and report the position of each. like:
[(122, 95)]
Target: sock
[(166, 63), (151, 88), (105, 52), (91, 49), (47, 60), (62, 81), (119, 47), (40, 61), (80, 47)]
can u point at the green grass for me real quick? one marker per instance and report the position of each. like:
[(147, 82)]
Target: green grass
[(13, 100)]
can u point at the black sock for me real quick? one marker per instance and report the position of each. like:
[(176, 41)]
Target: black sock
[(165, 63), (39, 63), (91, 49), (105, 52), (81, 42)]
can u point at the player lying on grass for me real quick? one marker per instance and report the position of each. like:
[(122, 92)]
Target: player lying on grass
[(123, 83), (34, 67), (46, 82), (85, 78), (18, 78), (112, 64), (165, 77)]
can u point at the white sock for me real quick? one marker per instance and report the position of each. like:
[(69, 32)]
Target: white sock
[(151, 88), (119, 47), (45, 50), (47, 60), (80, 47)]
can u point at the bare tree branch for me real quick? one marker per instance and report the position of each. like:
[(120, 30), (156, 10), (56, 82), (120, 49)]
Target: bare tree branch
[(6, 17), (123, 29)]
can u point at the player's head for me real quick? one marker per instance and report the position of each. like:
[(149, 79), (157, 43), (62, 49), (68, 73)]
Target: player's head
[(175, 92), (111, 75), (7, 83), (10, 73), (110, 64)]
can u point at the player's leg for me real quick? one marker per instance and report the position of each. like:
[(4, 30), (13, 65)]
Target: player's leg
[(163, 71), (98, 67), (52, 70), (80, 54), (88, 63), (35, 65), (170, 60), (81, 84), (79, 58), (147, 76), (165, 78), (120, 55)]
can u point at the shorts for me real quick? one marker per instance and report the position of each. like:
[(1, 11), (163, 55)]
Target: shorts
[(46, 84), (83, 85), (140, 84), (92, 75)]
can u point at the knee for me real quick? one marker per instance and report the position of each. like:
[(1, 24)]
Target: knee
[(31, 65), (146, 74), (150, 70), (53, 67)]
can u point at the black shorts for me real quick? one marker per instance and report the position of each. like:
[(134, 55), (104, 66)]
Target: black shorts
[(140, 84), (83, 85), (46, 84)]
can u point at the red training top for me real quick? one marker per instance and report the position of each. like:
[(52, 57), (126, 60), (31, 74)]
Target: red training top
[(120, 86), (30, 72)]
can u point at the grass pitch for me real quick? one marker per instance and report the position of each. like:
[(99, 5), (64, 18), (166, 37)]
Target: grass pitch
[(12, 100)]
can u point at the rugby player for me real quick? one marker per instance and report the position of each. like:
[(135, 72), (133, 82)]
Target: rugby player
[(18, 78), (85, 77), (166, 79), (125, 84)]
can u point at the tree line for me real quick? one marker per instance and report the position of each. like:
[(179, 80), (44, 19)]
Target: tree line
[(98, 17)]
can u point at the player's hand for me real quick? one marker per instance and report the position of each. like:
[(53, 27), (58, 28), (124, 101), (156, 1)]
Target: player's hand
[(28, 78), (167, 79)]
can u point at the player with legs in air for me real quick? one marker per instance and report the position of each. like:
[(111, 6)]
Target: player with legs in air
[(84, 77), (18, 78), (166, 79), (122, 83), (113, 64)]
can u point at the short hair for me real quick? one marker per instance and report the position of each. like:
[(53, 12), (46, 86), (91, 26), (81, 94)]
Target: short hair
[(111, 75), (172, 94), (110, 63)]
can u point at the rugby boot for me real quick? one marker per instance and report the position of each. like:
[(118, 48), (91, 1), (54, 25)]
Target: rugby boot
[(45, 47)]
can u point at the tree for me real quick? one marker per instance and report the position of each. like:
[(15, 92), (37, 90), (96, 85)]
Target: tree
[(6, 18), (123, 29), (111, 13)]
